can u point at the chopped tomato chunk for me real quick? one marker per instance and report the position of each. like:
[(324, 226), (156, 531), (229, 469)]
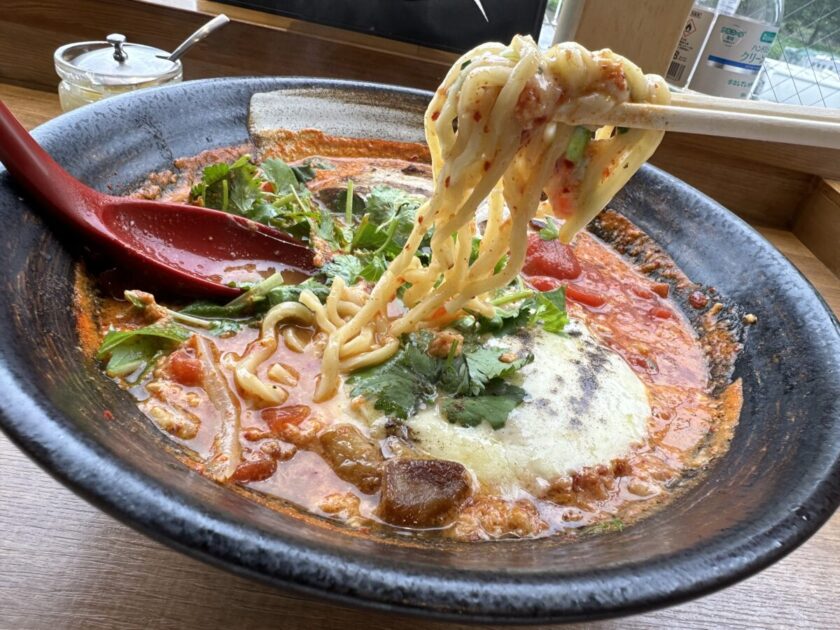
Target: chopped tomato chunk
[(276, 417), (254, 470), (584, 296), (550, 258), (544, 283), (184, 368)]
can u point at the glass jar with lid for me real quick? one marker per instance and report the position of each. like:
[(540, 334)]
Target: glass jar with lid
[(91, 71)]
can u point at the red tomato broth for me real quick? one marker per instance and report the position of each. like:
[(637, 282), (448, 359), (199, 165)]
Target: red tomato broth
[(604, 290)]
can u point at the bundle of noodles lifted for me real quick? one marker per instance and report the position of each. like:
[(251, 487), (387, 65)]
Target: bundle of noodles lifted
[(496, 132), (433, 375)]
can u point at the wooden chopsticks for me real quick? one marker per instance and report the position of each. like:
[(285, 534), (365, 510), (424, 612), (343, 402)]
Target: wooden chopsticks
[(732, 118)]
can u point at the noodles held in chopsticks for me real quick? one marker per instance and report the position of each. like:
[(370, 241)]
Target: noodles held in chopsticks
[(496, 132)]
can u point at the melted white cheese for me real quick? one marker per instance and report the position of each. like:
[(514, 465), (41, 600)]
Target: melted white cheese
[(585, 406)]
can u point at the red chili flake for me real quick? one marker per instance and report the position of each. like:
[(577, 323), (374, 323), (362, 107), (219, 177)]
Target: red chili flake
[(660, 313), (486, 165), (643, 293), (486, 128), (420, 220), (698, 299), (435, 115), (107, 415), (446, 182), (267, 187), (477, 116)]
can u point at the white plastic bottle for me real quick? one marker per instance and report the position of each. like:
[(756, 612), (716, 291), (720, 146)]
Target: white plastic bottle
[(739, 40), (697, 28)]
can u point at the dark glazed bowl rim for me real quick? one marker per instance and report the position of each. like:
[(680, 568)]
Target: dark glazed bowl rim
[(142, 503)]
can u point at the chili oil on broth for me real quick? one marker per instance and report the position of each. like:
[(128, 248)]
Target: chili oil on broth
[(647, 341)]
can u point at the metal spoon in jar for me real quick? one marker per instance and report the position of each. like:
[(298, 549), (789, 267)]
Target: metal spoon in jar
[(214, 24)]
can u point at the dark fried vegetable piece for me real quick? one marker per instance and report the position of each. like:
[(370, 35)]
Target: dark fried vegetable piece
[(422, 492)]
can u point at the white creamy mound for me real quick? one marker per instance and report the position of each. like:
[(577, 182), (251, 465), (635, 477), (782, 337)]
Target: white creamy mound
[(585, 406)]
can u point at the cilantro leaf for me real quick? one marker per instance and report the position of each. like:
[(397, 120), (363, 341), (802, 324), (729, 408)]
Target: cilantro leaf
[(401, 384), (551, 231), (374, 268), (346, 266), (485, 364), (493, 406), (280, 174), (469, 373), (129, 350), (545, 308), (304, 173), (551, 310), (244, 186), (504, 321), (387, 222), (291, 292)]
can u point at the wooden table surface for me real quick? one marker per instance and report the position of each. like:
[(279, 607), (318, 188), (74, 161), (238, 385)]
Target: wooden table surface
[(65, 564)]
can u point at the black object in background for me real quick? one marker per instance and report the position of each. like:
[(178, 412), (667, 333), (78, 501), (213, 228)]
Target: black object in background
[(456, 25)]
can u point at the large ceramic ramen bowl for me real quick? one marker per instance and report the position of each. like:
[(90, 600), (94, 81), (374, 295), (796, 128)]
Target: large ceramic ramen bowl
[(779, 481)]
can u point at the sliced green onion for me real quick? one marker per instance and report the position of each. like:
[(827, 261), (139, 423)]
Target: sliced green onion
[(577, 144)]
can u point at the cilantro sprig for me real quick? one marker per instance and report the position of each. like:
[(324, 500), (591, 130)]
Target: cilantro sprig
[(472, 383)]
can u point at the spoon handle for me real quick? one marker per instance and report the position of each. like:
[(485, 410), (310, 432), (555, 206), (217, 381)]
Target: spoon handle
[(217, 22), (40, 176)]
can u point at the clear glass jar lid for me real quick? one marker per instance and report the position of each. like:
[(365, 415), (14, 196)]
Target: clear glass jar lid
[(114, 63)]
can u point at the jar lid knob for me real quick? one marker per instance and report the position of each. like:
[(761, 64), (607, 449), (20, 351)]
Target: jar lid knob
[(117, 40)]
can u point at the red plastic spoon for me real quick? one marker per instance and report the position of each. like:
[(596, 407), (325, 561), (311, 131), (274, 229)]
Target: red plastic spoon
[(181, 248)]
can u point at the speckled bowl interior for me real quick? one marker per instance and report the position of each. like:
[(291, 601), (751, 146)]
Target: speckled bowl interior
[(777, 484)]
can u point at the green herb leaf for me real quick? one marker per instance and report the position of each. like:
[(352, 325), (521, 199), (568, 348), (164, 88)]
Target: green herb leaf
[(551, 310), (280, 174), (253, 299), (245, 186), (304, 173), (130, 350), (291, 292), (319, 164), (401, 384), (469, 373), (374, 268), (505, 322), (388, 221), (551, 231), (493, 406), (346, 266)]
